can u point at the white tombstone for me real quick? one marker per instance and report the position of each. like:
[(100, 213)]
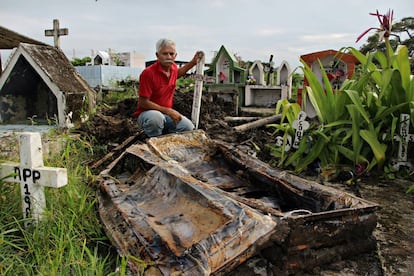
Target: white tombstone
[(32, 175), (257, 72), (404, 138)]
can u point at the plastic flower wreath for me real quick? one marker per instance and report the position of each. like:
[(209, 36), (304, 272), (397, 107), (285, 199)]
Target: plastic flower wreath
[(251, 80)]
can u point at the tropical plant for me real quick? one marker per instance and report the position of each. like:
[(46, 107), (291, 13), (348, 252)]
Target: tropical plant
[(402, 33), (357, 123)]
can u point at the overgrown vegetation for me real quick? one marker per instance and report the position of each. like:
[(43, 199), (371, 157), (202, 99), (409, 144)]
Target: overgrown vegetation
[(70, 239), (357, 123)]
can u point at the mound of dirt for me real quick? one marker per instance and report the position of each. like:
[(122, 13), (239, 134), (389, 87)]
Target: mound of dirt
[(112, 125)]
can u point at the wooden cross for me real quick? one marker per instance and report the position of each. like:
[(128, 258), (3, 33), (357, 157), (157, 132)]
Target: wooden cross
[(404, 138), (198, 89), (56, 32), (32, 175), (300, 125)]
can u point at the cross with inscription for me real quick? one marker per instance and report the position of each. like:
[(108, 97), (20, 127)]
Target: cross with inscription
[(32, 175), (56, 32), (301, 126), (404, 138)]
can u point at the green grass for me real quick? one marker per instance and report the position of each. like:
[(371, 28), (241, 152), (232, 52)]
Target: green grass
[(70, 239)]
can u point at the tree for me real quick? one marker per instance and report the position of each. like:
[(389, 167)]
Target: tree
[(80, 62)]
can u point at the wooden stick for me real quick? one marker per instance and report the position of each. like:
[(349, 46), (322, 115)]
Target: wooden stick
[(198, 89), (238, 119), (258, 123), (116, 150)]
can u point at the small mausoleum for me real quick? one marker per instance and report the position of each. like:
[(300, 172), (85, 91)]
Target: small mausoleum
[(225, 77), (247, 87), (337, 65), (40, 84)]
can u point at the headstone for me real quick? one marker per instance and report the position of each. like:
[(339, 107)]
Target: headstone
[(404, 139), (56, 32), (256, 72), (32, 175)]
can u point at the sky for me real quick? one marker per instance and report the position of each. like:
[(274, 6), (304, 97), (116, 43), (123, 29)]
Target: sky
[(251, 29)]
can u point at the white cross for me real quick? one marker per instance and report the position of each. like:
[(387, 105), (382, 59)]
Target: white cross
[(404, 138), (300, 125), (32, 175)]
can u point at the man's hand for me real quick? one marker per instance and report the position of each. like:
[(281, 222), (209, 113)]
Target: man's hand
[(196, 56), (174, 114), (183, 69)]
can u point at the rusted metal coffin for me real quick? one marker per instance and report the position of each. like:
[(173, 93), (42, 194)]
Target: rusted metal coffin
[(190, 205)]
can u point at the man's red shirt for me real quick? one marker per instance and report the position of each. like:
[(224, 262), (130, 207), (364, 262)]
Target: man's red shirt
[(155, 85)]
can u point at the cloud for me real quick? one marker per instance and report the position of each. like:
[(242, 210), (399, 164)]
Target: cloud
[(328, 37)]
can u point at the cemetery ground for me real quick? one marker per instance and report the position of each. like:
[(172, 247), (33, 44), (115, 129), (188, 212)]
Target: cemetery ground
[(71, 241)]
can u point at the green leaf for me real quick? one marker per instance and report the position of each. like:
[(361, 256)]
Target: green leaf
[(377, 148), (356, 119), (317, 147), (381, 58), (353, 95), (402, 63)]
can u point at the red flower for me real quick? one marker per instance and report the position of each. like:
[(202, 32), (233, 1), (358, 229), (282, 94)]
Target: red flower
[(385, 21)]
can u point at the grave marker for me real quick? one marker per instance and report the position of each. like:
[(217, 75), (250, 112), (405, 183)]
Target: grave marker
[(198, 89), (32, 175), (279, 142), (300, 125), (56, 32), (404, 138)]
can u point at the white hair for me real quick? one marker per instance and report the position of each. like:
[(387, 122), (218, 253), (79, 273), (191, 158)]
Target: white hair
[(163, 42)]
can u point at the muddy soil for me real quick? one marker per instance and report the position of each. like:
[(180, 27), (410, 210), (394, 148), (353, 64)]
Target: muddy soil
[(395, 229)]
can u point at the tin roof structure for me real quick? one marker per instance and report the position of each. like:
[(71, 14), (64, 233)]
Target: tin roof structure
[(10, 39)]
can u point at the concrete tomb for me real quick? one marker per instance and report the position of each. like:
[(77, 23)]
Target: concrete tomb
[(337, 65), (258, 93)]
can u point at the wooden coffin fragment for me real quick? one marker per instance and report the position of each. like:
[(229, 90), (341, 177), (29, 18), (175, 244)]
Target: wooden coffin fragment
[(187, 204)]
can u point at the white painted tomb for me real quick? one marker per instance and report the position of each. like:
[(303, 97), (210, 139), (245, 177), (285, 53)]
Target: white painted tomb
[(260, 94)]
